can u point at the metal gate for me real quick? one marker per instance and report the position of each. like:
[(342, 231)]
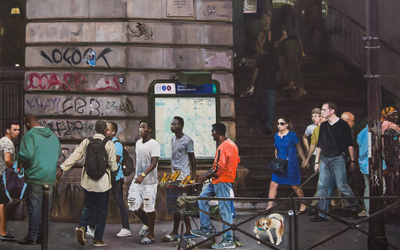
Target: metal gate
[(12, 97)]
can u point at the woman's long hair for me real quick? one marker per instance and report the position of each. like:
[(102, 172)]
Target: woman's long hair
[(288, 121)]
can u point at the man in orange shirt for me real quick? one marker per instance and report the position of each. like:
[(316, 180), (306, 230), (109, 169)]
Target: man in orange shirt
[(223, 175)]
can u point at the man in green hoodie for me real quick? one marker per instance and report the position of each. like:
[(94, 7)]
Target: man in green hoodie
[(39, 153)]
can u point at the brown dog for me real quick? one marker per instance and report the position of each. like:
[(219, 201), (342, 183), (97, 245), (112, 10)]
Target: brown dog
[(264, 225)]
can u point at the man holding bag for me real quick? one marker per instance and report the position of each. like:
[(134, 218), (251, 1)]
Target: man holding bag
[(7, 159)]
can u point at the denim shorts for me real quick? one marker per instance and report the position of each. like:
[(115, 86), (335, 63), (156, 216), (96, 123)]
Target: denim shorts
[(3, 197)]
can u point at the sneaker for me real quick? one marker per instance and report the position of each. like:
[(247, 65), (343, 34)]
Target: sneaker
[(124, 233), (98, 243), (200, 232), (81, 235), (90, 232), (28, 241), (353, 215), (224, 244), (7, 237), (143, 231)]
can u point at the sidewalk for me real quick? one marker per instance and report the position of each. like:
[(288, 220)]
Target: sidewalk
[(62, 236)]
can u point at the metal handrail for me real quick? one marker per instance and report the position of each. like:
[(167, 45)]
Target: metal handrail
[(361, 27), (293, 205)]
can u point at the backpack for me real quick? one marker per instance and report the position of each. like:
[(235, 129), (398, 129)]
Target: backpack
[(127, 161), (14, 183), (391, 151), (96, 160)]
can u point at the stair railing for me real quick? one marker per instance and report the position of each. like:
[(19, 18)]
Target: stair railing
[(347, 35)]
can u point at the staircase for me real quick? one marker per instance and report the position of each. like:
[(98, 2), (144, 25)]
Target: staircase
[(324, 80)]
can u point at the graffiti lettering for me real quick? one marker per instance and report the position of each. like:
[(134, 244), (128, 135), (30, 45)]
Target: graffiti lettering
[(69, 129), (69, 82), (74, 57)]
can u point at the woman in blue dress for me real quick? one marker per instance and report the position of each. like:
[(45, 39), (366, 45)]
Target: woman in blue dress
[(287, 145)]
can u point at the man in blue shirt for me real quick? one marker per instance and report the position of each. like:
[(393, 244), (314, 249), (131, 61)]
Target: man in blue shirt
[(118, 183)]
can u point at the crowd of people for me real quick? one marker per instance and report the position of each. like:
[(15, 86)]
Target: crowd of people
[(331, 152), (40, 150)]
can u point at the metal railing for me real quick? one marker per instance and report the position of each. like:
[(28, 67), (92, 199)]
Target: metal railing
[(293, 223), (348, 35)]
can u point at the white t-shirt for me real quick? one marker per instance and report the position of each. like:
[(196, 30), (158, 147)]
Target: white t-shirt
[(179, 156), (144, 153), (310, 129), (6, 146)]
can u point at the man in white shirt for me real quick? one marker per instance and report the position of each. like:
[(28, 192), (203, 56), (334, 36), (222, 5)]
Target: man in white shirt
[(7, 159), (143, 189), (96, 191)]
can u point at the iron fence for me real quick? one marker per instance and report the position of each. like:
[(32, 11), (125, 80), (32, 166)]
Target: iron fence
[(293, 222)]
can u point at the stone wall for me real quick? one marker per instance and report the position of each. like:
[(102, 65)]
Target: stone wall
[(134, 42)]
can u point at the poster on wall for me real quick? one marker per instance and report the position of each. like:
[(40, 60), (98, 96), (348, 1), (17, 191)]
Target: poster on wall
[(199, 108)]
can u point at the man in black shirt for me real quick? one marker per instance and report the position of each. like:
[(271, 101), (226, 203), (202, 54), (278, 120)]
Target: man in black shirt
[(334, 140), (264, 81)]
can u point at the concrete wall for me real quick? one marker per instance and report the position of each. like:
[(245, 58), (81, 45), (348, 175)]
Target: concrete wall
[(135, 43)]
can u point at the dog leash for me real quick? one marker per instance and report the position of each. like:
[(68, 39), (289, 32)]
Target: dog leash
[(309, 178)]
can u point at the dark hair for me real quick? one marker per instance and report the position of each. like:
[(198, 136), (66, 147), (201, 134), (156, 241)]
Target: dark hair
[(331, 105), (100, 126), (219, 128), (9, 124), (180, 120), (114, 126), (288, 121), (149, 124)]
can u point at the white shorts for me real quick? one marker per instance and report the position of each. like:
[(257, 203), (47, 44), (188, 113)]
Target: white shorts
[(145, 194)]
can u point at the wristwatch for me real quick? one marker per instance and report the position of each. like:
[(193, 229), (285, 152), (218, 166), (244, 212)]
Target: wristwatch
[(143, 174), (316, 162)]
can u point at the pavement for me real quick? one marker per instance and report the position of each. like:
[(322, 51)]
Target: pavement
[(62, 235)]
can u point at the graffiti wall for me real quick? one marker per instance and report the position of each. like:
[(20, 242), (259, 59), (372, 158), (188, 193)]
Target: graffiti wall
[(95, 59)]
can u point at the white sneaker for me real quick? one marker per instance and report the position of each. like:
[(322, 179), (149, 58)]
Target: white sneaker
[(124, 233), (90, 232)]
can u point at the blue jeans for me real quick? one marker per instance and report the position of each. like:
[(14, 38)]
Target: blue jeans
[(333, 166), (218, 190), (118, 192), (34, 199), (95, 203), (267, 104)]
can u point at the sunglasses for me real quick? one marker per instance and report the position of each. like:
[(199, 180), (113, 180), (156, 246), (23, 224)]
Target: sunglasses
[(281, 123)]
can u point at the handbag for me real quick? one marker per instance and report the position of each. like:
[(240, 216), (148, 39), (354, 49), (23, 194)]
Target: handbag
[(14, 183), (278, 166)]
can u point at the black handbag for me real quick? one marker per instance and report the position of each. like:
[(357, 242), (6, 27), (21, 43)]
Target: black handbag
[(278, 166)]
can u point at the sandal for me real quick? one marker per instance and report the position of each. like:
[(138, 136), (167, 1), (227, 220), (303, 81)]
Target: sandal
[(146, 240), (143, 231), (168, 238), (302, 212)]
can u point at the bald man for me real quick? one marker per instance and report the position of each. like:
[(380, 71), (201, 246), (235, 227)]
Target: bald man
[(351, 180), (348, 117), (39, 153)]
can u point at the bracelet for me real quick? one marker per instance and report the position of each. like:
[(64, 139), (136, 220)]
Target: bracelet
[(316, 162), (353, 161)]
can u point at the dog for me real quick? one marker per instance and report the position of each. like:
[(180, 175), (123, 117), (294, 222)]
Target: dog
[(265, 225)]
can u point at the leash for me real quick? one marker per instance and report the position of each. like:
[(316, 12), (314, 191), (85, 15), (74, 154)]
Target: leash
[(309, 178)]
